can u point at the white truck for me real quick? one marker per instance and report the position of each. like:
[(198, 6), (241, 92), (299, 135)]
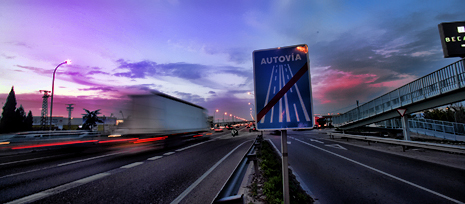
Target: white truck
[(160, 115)]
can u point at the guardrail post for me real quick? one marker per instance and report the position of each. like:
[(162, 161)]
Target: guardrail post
[(253, 157)]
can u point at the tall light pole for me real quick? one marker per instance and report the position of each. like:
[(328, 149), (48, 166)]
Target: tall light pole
[(214, 115), (53, 87), (252, 110), (225, 113)]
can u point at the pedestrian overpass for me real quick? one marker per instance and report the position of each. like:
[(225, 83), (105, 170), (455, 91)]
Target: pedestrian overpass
[(442, 87)]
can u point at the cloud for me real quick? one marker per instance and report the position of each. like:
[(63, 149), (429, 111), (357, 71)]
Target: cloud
[(37, 70), (101, 88), (97, 72), (193, 98), (215, 77), (212, 93), (8, 57)]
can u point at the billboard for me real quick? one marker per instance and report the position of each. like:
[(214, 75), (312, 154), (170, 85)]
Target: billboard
[(283, 93), (453, 38)]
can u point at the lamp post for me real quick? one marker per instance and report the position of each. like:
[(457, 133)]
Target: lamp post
[(252, 110), (214, 116), (225, 113), (53, 86)]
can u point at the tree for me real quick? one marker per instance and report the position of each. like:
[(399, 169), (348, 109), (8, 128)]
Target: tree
[(7, 123), (453, 113), (20, 118), (14, 120), (28, 121), (91, 119)]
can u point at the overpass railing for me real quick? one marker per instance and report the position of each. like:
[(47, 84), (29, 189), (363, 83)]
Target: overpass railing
[(449, 78)]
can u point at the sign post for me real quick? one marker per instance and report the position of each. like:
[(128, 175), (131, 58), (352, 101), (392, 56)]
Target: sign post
[(405, 129), (283, 95)]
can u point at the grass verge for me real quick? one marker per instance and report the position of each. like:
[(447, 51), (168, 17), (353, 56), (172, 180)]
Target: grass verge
[(267, 185)]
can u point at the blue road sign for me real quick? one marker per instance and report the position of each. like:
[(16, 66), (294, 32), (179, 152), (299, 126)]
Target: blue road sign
[(283, 93)]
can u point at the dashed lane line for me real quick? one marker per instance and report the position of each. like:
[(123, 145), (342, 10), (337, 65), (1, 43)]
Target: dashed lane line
[(131, 165), (169, 153), (155, 158), (27, 160), (58, 189)]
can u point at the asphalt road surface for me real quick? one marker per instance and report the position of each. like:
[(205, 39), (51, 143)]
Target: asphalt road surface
[(337, 171), (125, 173)]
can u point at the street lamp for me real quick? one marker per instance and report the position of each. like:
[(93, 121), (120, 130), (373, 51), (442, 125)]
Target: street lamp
[(214, 115), (53, 86), (252, 109), (225, 113)]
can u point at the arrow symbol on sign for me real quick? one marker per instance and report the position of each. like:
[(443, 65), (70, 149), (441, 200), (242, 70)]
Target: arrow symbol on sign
[(336, 146)]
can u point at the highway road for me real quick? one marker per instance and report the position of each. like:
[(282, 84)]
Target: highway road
[(337, 171), (129, 173)]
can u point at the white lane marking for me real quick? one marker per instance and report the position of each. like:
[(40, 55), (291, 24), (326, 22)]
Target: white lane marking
[(336, 146), (77, 161), (155, 158), (92, 178), (384, 173), (131, 165), (288, 142), (274, 89), (197, 182), (316, 141), (26, 160), (182, 149), (58, 189), (63, 164), (169, 153), (296, 114), (300, 98), (25, 172)]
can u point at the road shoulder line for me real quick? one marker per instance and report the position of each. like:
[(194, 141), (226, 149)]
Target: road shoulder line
[(201, 178), (384, 173)]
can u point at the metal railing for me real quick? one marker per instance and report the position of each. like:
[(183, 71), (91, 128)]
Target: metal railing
[(449, 78), (454, 131), (404, 143)]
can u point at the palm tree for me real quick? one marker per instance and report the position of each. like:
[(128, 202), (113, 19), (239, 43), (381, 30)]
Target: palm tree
[(91, 119)]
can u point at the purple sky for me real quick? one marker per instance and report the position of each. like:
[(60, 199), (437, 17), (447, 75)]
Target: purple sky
[(201, 51)]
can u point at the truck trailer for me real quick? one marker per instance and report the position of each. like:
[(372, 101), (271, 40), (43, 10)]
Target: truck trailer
[(161, 116)]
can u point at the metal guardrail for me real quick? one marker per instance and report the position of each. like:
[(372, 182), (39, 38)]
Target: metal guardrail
[(404, 143), (229, 192), (449, 78)]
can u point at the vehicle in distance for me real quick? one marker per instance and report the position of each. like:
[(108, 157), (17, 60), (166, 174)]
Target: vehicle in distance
[(161, 115)]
